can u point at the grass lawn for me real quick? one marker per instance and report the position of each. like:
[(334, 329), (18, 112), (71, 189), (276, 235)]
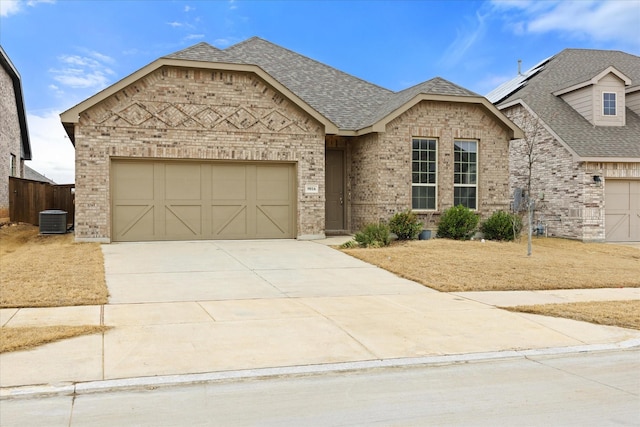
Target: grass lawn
[(456, 266), (47, 271), (459, 266)]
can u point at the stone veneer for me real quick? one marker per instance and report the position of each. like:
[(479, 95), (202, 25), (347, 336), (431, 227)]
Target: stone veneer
[(182, 113), (568, 202)]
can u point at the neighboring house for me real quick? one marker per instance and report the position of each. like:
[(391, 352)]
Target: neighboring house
[(257, 141), (14, 137), (586, 179), (34, 175)]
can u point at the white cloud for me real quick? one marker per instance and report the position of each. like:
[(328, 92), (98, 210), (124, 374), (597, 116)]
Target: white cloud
[(598, 21), (53, 154), (175, 24), (189, 8), (9, 7), (465, 40), (194, 36), (12, 7), (82, 71)]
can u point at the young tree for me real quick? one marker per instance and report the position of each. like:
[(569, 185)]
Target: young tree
[(529, 148)]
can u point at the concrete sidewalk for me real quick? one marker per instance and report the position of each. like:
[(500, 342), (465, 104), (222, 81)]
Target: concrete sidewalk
[(197, 307)]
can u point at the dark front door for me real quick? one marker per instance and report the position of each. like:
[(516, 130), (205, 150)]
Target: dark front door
[(334, 207)]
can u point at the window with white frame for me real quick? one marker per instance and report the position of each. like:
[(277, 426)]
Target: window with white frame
[(465, 174), (424, 174), (609, 103)]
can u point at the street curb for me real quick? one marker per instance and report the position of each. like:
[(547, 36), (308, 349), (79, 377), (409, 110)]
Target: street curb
[(140, 383)]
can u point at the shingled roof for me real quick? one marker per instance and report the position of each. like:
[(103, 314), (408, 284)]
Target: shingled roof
[(345, 104), (349, 102), (566, 69)]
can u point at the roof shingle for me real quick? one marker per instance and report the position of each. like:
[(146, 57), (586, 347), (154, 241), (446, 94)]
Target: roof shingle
[(574, 66)]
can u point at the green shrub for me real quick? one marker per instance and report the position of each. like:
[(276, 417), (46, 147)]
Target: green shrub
[(502, 226), (374, 236), (457, 223), (350, 244), (405, 225)]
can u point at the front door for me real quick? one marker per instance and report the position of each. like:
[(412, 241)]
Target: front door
[(335, 203)]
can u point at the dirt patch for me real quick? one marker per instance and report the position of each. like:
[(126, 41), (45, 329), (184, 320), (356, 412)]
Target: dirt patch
[(15, 339), (49, 270), (457, 266), (625, 314)]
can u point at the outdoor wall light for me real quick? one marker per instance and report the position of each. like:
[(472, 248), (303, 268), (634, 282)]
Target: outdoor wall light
[(597, 179)]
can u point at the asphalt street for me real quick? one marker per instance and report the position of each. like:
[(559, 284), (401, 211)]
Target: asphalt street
[(590, 388)]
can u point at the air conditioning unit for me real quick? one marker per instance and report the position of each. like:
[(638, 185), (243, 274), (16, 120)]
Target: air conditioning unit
[(53, 222)]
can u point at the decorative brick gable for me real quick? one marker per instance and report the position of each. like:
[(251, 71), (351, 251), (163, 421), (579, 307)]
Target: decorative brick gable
[(182, 113)]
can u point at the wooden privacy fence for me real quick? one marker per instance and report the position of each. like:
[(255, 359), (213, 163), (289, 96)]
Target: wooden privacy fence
[(28, 198)]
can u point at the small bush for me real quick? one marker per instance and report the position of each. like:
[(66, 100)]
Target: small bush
[(405, 225), (502, 226), (457, 223), (350, 244), (374, 236)]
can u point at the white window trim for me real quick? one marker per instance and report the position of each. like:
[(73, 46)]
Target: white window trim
[(615, 110), (477, 142), (435, 185)]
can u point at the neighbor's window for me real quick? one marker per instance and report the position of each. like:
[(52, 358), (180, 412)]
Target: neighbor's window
[(465, 176), (424, 173), (13, 166), (609, 103)]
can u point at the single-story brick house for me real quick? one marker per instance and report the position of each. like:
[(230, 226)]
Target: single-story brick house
[(586, 176), (15, 146), (257, 141)]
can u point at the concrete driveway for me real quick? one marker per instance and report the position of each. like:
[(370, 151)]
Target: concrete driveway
[(197, 307)]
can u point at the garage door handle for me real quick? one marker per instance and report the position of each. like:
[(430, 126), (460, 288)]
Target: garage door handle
[(341, 200)]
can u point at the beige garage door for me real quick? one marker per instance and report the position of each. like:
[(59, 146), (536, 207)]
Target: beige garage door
[(622, 211), (167, 200)]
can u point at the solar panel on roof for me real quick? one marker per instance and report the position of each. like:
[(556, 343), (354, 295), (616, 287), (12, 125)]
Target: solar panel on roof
[(507, 88)]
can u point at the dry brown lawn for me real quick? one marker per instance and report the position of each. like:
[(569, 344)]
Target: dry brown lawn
[(457, 266), (625, 314), (47, 271), (14, 339)]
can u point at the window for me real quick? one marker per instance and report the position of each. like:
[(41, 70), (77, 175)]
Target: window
[(424, 173), (609, 103), (465, 166), (13, 166)]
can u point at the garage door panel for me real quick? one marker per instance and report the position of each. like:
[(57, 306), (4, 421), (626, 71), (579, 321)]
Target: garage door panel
[(134, 221), (273, 183), (273, 220), (229, 182), (229, 221), (183, 220), (173, 200), (183, 182), (135, 181)]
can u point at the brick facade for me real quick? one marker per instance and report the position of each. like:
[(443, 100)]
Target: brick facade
[(569, 203), (180, 113), (380, 164), (10, 139)]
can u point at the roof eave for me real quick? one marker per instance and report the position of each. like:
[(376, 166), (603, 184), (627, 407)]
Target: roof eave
[(515, 131), (22, 115), (594, 80), (548, 128), (609, 159), (72, 115)]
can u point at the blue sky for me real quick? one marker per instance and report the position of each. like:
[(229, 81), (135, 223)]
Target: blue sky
[(68, 50)]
